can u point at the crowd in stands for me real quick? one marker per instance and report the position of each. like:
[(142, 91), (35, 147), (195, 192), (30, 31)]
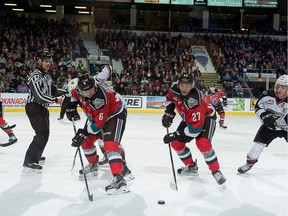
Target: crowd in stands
[(232, 55), (22, 37), (156, 59), (151, 61)]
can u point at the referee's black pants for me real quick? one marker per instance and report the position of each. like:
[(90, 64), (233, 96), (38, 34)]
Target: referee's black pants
[(39, 120)]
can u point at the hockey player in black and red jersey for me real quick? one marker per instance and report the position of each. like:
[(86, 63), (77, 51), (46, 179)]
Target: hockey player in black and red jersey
[(106, 112), (7, 129), (217, 97), (198, 122), (272, 110), (71, 112)]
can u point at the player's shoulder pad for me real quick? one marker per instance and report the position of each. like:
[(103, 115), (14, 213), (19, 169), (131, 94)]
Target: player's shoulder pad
[(269, 92)]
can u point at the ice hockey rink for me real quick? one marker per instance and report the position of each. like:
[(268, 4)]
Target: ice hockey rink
[(58, 192)]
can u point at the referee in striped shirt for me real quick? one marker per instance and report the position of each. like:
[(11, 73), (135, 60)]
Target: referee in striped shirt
[(42, 92)]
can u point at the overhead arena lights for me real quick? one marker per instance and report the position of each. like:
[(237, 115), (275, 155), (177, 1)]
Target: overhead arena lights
[(17, 9), (80, 7), (46, 6), (10, 4), (50, 11), (83, 12)]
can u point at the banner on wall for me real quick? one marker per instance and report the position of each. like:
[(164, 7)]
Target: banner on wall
[(13, 100), (134, 102), (155, 102)]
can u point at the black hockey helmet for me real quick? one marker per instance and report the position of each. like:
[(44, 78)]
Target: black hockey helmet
[(186, 77), (41, 55), (212, 84), (86, 82)]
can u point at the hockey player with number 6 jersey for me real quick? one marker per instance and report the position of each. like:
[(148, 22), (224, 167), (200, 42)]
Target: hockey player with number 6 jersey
[(272, 110), (106, 113)]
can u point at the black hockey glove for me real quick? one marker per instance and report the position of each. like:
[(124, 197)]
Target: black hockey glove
[(171, 137), (268, 120), (167, 118), (72, 113), (225, 103), (79, 138)]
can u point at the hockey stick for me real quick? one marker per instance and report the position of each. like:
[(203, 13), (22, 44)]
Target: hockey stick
[(90, 196), (75, 155), (171, 184)]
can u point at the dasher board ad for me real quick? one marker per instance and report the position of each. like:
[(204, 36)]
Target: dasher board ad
[(225, 3)]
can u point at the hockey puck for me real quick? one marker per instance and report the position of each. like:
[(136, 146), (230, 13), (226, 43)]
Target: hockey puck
[(161, 202)]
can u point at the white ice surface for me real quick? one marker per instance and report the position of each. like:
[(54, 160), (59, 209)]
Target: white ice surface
[(57, 191)]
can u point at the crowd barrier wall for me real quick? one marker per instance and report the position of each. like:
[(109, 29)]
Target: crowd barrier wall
[(15, 102)]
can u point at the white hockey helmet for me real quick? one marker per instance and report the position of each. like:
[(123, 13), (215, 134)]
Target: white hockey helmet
[(281, 81)]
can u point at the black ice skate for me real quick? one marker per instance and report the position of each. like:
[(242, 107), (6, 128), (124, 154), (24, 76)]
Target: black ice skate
[(12, 140), (32, 168), (126, 172), (42, 160), (223, 126), (117, 186), (219, 177), (8, 127), (91, 171), (190, 170), (246, 167)]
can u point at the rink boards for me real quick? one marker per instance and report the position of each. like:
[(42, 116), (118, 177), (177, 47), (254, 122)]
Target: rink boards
[(15, 102)]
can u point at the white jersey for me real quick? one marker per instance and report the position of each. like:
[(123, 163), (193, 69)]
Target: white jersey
[(104, 74), (269, 102), (101, 77)]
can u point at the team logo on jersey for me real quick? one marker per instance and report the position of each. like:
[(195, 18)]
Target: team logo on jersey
[(191, 102), (98, 103), (269, 102), (214, 101)]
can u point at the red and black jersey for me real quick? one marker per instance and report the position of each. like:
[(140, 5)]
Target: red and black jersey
[(215, 98), (104, 105), (193, 108)]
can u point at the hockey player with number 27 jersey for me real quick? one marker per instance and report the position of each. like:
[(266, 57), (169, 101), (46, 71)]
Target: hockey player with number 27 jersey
[(198, 122), (272, 110)]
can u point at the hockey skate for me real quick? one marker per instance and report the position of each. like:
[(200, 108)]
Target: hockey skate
[(117, 186), (42, 160), (91, 171), (8, 127), (12, 140), (126, 172), (32, 168), (103, 161), (223, 126), (246, 167), (219, 177), (189, 170)]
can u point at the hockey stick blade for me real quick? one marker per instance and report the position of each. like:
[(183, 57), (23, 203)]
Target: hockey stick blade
[(90, 196), (173, 186)]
